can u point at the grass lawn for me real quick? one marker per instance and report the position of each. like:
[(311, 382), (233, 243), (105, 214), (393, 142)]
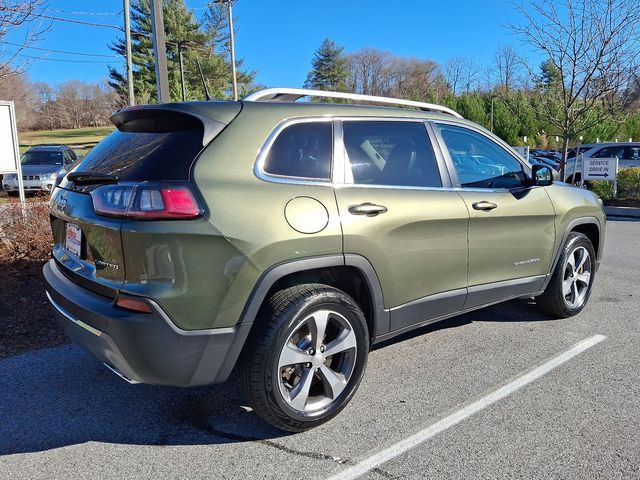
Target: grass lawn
[(80, 139)]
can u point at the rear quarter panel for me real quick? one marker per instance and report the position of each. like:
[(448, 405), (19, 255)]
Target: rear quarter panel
[(249, 212)]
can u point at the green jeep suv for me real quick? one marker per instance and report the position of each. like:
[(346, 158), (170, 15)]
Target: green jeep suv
[(283, 239)]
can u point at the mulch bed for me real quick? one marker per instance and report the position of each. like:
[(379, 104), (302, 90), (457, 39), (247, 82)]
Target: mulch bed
[(25, 320), (623, 202)]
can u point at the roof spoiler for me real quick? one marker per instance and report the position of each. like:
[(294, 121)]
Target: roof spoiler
[(165, 118)]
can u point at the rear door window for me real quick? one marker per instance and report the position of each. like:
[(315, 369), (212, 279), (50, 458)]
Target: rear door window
[(301, 150), (390, 153)]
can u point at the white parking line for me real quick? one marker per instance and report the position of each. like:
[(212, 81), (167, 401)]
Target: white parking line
[(422, 436)]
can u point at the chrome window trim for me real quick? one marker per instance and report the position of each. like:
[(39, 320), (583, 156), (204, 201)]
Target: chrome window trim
[(258, 167), (449, 161), (339, 164)]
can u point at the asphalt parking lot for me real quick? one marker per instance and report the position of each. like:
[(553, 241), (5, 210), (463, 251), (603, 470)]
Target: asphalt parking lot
[(569, 413)]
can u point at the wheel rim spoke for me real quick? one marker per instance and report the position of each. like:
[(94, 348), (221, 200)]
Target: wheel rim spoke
[(574, 293), (318, 323), (345, 341), (292, 355), (584, 277), (566, 287), (572, 261), (334, 382), (583, 258), (300, 393)]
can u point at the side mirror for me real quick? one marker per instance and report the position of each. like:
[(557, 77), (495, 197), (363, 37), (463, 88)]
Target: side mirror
[(542, 175)]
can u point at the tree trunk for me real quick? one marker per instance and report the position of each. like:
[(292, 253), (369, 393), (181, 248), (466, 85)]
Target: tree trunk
[(565, 151)]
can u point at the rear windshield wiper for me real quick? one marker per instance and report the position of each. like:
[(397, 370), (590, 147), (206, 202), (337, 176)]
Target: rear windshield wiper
[(91, 178)]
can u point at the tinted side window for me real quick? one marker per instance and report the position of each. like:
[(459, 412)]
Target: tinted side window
[(301, 150), (609, 152), (390, 153), (633, 153), (479, 161)]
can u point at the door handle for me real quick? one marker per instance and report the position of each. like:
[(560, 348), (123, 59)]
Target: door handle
[(368, 209), (484, 206)]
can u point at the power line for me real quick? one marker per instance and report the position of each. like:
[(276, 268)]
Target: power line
[(114, 14), (68, 20), (62, 51), (47, 59)]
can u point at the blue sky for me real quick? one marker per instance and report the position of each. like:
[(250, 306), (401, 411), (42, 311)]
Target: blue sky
[(277, 38)]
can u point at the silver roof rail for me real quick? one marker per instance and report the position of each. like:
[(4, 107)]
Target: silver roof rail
[(293, 94)]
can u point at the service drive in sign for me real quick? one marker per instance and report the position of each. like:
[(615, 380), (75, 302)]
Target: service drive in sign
[(600, 169)]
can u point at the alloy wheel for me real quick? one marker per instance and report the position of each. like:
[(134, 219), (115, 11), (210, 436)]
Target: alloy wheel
[(577, 277), (317, 361)]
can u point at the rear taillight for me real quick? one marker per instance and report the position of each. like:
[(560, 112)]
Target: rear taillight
[(146, 201)]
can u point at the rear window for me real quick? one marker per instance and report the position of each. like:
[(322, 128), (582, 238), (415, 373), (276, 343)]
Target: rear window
[(301, 150), (139, 156)]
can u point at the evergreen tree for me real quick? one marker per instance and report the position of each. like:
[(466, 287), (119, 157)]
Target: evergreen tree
[(180, 27), (330, 68)]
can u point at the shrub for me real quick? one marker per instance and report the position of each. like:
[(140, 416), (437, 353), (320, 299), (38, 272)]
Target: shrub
[(25, 237), (601, 188), (628, 185)]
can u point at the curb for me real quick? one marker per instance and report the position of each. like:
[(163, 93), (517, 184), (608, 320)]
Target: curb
[(630, 212)]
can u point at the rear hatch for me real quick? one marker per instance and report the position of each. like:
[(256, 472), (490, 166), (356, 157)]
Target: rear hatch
[(153, 145)]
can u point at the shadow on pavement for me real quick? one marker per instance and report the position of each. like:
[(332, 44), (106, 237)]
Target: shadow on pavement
[(61, 396), (512, 311)]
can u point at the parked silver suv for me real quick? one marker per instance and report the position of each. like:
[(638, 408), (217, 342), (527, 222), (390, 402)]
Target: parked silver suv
[(41, 166)]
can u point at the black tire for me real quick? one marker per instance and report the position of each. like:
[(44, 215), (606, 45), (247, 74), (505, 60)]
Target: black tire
[(282, 319), (12, 194), (554, 301)]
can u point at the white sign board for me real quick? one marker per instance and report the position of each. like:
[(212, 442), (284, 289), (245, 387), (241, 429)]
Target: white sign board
[(9, 153), (523, 152), (600, 169)]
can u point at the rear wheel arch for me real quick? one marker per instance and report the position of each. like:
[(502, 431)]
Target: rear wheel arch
[(350, 273)]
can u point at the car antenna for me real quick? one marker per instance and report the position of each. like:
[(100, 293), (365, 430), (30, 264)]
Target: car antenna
[(204, 83)]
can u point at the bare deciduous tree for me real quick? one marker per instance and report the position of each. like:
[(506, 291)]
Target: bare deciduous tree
[(378, 72), (17, 88), (25, 16), (508, 65), (593, 46), (461, 73), (370, 71)]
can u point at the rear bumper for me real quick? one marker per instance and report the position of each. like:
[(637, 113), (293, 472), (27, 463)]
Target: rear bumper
[(143, 348)]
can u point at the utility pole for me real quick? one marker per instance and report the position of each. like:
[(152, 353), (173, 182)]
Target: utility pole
[(127, 41), (233, 52), (184, 90), (160, 51), (232, 46)]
